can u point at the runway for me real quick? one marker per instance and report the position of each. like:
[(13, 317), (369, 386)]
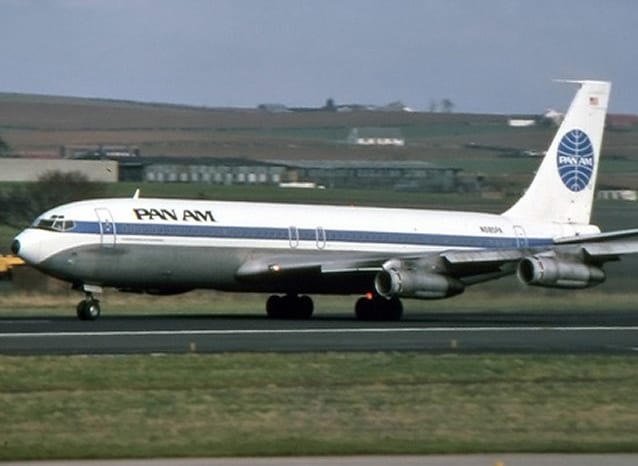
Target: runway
[(606, 332)]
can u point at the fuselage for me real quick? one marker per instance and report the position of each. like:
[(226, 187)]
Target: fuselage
[(166, 245)]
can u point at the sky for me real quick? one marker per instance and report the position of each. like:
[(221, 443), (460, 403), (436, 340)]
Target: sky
[(487, 56)]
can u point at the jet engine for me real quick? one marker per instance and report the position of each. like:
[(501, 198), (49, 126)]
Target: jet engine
[(415, 283), (555, 273)]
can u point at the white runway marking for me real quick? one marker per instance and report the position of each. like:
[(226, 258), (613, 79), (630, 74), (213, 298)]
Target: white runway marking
[(320, 331)]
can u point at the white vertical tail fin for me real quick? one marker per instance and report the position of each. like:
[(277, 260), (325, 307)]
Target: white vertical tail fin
[(563, 189)]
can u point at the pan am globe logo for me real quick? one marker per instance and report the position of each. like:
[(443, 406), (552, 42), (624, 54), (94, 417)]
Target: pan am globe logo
[(575, 160)]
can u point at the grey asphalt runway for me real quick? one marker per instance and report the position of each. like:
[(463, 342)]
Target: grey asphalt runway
[(606, 332)]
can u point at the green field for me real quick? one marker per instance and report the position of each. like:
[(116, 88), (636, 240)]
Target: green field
[(33, 125), (315, 404)]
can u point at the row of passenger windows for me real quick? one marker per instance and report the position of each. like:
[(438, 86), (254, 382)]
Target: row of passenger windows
[(59, 223)]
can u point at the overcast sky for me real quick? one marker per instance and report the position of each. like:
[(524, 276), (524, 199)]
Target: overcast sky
[(496, 56)]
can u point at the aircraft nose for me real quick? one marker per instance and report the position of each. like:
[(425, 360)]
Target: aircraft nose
[(27, 245)]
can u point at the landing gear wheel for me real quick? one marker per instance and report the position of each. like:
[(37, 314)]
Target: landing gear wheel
[(363, 309), (274, 307), (88, 309), (378, 308), (306, 307), (289, 307)]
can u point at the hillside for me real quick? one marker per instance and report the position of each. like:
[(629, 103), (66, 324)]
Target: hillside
[(39, 125)]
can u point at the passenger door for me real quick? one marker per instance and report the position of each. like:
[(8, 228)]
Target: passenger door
[(521, 237), (107, 227)]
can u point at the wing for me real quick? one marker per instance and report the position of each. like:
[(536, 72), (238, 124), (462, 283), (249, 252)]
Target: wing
[(603, 246), (467, 266), (328, 262)]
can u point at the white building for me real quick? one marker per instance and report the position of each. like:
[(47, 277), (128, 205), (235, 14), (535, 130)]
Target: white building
[(27, 169), (376, 137)]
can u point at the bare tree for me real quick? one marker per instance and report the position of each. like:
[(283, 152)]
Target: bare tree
[(447, 106), (4, 148)]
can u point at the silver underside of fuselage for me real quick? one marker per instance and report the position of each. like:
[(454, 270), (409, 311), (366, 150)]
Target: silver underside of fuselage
[(169, 269)]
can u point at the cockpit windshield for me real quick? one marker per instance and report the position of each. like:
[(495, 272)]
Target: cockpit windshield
[(55, 222)]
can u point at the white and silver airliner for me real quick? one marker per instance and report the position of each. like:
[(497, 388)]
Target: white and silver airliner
[(168, 246)]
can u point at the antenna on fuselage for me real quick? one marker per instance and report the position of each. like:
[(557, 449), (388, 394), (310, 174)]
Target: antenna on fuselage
[(136, 194)]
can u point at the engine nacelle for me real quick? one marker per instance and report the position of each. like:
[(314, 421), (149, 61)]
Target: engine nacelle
[(551, 272), (416, 284)]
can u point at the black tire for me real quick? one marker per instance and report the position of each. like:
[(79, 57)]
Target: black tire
[(289, 306), (80, 310), (363, 309), (93, 310), (305, 307), (378, 309), (274, 307), (88, 309), (392, 309)]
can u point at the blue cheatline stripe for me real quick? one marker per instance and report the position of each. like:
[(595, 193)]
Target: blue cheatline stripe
[(307, 234)]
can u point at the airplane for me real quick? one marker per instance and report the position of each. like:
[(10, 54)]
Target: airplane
[(166, 246)]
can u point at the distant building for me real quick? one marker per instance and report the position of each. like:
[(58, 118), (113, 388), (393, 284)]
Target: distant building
[(228, 171), (31, 169), (406, 176), (396, 106), (618, 194), (273, 108), (553, 117), (376, 137), (521, 123), (98, 152)]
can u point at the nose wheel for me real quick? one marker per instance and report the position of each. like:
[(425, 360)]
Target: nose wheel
[(88, 309)]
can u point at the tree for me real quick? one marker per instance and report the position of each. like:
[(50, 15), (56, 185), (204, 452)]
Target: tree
[(4, 148), (447, 106), (23, 202), (330, 105)]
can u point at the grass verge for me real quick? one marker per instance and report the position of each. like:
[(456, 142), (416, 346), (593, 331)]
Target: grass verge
[(512, 299), (315, 404)]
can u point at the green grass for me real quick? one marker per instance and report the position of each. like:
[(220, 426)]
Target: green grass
[(332, 403), (503, 297)]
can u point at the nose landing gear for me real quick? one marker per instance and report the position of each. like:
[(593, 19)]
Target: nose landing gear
[(89, 307)]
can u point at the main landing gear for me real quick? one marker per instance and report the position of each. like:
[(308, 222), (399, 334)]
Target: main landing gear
[(370, 307), (289, 306), (377, 307)]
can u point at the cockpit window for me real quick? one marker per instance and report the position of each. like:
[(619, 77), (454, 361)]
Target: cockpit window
[(55, 222)]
